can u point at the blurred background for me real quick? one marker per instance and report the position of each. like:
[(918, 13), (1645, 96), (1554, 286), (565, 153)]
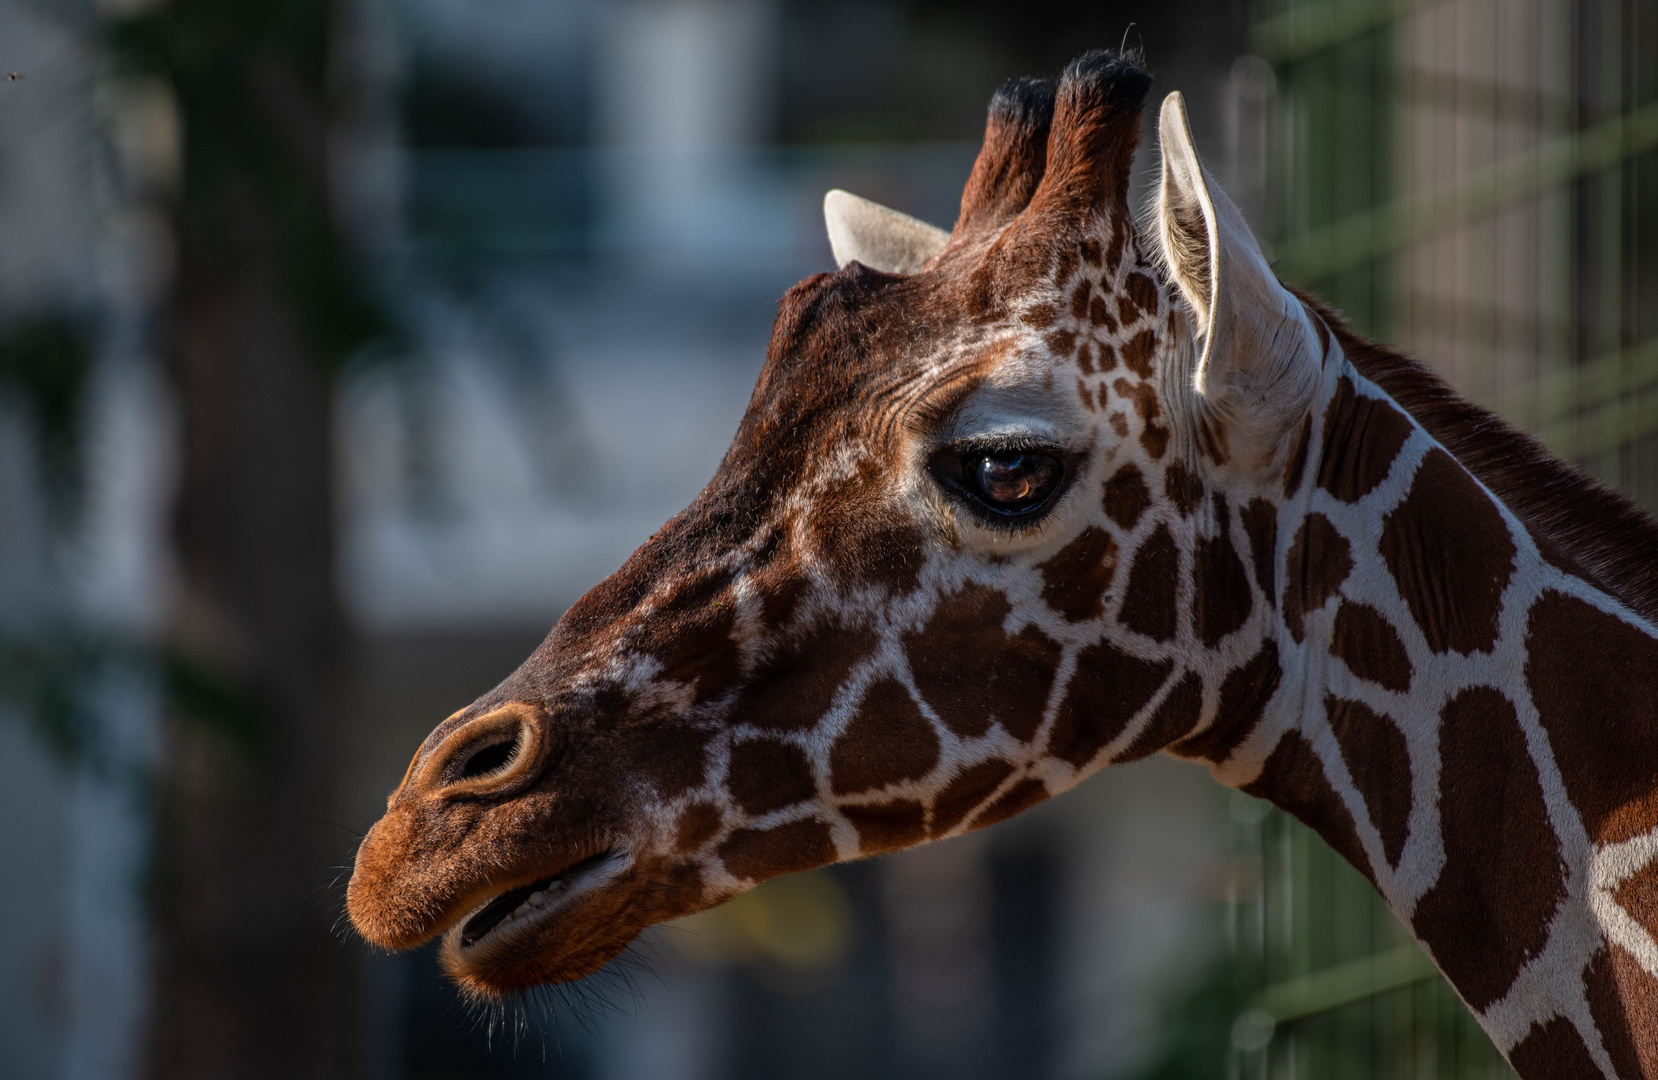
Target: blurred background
[(343, 345)]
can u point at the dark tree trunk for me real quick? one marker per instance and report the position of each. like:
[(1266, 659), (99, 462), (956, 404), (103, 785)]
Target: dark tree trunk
[(252, 977), (252, 982)]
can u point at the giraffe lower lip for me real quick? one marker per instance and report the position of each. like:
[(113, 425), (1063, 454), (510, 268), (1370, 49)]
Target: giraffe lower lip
[(524, 904)]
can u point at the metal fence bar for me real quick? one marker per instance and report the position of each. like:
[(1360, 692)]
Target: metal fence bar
[(1613, 426), (1555, 397), (1304, 30), (1388, 229), (1346, 983)]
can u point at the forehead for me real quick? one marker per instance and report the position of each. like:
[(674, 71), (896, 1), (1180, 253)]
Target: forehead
[(867, 358)]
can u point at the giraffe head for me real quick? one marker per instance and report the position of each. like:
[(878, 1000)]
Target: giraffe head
[(985, 527)]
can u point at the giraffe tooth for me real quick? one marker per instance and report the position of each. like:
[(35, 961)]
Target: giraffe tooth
[(537, 899)]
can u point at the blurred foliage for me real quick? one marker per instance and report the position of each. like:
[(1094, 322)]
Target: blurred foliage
[(1195, 1028), (212, 697), (45, 367), (249, 79), (46, 677)]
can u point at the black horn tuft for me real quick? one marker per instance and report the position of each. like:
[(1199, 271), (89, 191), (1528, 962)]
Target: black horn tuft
[(1028, 103), (1110, 78), (1013, 158)]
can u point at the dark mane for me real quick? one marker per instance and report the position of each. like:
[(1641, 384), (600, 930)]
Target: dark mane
[(1608, 536)]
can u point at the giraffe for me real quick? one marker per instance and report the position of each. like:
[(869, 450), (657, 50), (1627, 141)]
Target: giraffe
[(1055, 491)]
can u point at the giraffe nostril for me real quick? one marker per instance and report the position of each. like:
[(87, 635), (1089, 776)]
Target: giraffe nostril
[(486, 755), (489, 758)]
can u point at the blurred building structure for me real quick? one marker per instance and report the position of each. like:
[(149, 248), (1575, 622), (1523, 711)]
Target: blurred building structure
[(85, 461)]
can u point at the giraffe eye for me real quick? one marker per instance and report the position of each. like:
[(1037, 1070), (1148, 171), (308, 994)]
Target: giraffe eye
[(1013, 481), (1005, 481)]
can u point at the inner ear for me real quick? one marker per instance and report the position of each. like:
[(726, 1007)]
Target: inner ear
[(1259, 363), (1186, 214)]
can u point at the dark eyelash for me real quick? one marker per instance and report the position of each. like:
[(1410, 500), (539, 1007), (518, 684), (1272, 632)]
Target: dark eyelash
[(1005, 444)]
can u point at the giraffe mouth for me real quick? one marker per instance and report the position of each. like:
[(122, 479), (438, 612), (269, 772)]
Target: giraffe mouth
[(519, 908)]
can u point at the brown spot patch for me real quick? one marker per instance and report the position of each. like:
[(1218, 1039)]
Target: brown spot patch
[(1319, 560), (1119, 424), (1183, 487), (1177, 715), (1119, 240), (674, 757), (792, 691), (1625, 1016), (1224, 599), (1297, 464), (774, 575), (1079, 299), (1085, 358), (1015, 800), (1554, 1051), (1141, 291), (1137, 353), (1260, 522), (965, 791), (780, 595), (1107, 689), (1489, 912), (894, 557), (1584, 667), (1075, 579), (887, 826), (692, 638), (698, 824), (1086, 395), (887, 742), (1153, 581), (766, 775), (1448, 549), (1362, 436), (1142, 395), (1379, 760), (973, 674), (1061, 342), (1099, 316), (1154, 440), (1213, 442), (1367, 643), (1126, 497), (1244, 694), (1041, 316), (1108, 362), (1638, 895), (1293, 778), (758, 854), (1639, 991)]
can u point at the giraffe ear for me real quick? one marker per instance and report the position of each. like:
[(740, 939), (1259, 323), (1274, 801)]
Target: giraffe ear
[(1260, 360), (878, 237)]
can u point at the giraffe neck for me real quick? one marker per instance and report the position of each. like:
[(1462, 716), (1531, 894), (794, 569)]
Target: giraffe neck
[(1474, 725)]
